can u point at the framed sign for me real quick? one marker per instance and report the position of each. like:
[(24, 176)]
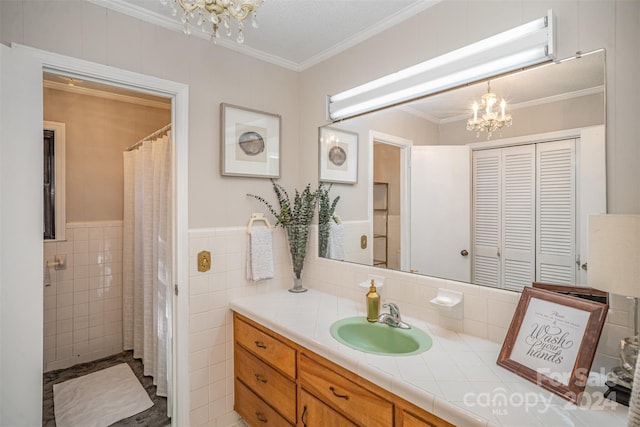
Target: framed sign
[(552, 340), (576, 291), (338, 155), (250, 142)]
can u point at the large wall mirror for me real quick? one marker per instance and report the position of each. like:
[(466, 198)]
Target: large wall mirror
[(503, 210)]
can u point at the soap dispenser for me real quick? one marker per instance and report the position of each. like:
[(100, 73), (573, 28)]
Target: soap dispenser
[(373, 303)]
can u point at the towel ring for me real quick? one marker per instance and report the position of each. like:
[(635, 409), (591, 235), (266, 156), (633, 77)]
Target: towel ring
[(257, 217)]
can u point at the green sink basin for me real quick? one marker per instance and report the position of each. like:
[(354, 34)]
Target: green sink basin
[(378, 338)]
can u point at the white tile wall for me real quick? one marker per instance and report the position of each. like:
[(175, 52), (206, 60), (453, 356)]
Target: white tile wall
[(487, 312), (210, 321), (83, 304)]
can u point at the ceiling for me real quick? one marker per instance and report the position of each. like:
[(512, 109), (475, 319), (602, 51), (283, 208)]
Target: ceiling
[(295, 34)]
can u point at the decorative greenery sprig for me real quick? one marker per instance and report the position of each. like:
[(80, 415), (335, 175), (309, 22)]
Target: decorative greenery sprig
[(295, 218), (326, 209)]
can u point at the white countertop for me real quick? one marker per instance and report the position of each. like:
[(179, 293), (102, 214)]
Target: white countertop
[(457, 379)]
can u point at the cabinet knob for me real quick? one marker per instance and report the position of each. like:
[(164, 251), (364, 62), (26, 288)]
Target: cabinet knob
[(261, 378), (464, 252), (260, 344)]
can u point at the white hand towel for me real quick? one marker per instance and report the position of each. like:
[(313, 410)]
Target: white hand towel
[(335, 241), (260, 254)]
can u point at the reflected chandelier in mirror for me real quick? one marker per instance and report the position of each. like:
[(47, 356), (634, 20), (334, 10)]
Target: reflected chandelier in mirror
[(504, 212)]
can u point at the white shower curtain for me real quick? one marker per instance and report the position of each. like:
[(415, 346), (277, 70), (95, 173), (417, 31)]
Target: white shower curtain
[(147, 256)]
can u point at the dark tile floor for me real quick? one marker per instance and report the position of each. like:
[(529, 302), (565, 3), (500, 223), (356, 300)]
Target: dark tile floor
[(156, 416)]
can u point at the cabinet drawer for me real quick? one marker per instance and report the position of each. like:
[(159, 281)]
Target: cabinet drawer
[(317, 414), (269, 349), (362, 406), (273, 387), (254, 410)]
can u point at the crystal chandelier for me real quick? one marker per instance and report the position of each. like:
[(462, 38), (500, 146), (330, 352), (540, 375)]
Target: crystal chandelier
[(218, 13), (491, 120)]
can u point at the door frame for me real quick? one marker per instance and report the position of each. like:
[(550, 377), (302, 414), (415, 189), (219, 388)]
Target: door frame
[(404, 145), (179, 93)]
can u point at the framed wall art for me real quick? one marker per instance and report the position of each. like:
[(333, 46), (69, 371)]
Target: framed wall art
[(552, 340), (338, 155), (250, 142)]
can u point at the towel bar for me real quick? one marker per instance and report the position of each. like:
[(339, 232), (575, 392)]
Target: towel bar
[(257, 217)]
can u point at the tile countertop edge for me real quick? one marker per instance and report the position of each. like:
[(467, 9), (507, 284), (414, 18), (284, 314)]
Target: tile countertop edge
[(443, 409)]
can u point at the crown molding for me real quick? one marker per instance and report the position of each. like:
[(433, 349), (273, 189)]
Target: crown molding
[(369, 32), (175, 25), (106, 95)]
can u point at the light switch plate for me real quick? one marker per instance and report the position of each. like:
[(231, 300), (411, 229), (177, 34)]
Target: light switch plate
[(204, 261)]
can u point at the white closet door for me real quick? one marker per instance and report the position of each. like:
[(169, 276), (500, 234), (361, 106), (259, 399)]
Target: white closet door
[(487, 217), (518, 217), (556, 212)]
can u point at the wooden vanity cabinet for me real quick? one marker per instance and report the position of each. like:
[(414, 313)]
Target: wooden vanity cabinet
[(265, 375), (280, 383)]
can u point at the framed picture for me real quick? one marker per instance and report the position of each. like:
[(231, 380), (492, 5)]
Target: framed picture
[(250, 142), (552, 340), (576, 291), (338, 155)]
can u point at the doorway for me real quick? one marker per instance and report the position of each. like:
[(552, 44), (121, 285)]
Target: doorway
[(389, 200), (22, 73), (96, 292)]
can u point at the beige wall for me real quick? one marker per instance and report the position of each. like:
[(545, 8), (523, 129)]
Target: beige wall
[(98, 130), (214, 74)]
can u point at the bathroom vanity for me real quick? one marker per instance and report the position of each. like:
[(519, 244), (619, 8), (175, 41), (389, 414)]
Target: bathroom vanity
[(272, 373), (289, 371)]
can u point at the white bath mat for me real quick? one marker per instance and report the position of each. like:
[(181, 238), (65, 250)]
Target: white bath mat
[(99, 399)]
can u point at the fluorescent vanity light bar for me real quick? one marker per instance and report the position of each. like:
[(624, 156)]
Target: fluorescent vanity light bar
[(386, 89), (493, 68)]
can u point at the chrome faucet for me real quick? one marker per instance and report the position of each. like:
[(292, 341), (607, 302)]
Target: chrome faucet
[(393, 317)]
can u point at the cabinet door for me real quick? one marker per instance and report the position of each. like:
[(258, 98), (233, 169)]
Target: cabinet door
[(317, 414)]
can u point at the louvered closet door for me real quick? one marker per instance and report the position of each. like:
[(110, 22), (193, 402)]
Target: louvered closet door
[(518, 217), (487, 166), (556, 212)]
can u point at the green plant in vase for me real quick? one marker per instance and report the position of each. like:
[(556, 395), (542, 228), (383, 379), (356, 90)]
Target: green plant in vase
[(295, 217), (326, 210)]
